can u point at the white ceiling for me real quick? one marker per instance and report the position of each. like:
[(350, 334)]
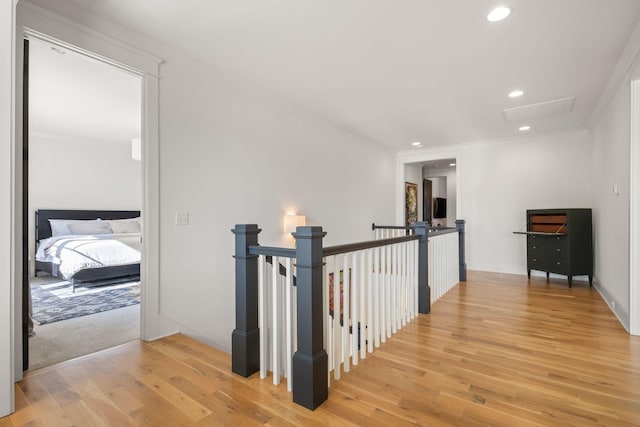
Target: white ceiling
[(76, 98), (434, 71)]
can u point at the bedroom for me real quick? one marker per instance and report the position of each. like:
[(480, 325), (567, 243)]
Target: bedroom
[(83, 115)]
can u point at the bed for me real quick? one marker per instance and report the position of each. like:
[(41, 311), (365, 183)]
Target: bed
[(88, 246)]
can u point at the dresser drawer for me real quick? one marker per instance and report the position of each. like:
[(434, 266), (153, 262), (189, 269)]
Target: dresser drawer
[(537, 262), (558, 264), (548, 244)]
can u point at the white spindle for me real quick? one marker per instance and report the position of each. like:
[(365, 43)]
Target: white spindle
[(275, 313), (346, 345), (337, 335), (355, 285), (394, 288), (288, 321), (369, 300), (328, 271), (262, 313), (362, 303), (376, 296)]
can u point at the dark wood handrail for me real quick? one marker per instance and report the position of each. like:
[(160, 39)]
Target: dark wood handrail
[(352, 247), (391, 227), (272, 251)]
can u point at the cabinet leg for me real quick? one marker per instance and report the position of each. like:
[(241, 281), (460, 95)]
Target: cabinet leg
[(529, 274), (569, 280), (547, 276), (590, 280)]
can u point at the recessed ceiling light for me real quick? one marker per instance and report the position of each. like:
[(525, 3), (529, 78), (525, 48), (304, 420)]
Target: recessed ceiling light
[(452, 164), (524, 128), (498, 14), (416, 144), (515, 93)]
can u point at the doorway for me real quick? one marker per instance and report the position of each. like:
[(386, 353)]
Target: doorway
[(437, 189), (81, 122)]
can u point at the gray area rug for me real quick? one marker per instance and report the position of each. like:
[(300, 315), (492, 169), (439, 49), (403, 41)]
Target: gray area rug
[(56, 300)]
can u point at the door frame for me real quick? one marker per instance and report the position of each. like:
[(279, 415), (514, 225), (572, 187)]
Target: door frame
[(34, 22), (409, 157), (634, 212), (9, 317)]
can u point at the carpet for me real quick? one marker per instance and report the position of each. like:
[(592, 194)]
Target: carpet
[(56, 301)]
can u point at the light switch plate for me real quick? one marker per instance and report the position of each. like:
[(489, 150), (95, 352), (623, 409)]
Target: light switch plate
[(182, 218)]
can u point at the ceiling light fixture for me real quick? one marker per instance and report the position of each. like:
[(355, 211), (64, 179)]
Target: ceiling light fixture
[(452, 164), (498, 14), (416, 144), (515, 93), (524, 128)]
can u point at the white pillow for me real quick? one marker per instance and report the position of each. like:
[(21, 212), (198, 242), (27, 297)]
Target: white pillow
[(60, 227), (129, 225), (90, 227)]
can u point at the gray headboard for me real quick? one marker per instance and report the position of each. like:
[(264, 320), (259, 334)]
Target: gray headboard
[(43, 228)]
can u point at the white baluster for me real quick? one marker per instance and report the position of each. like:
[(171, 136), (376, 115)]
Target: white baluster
[(370, 300), (355, 286), (377, 271), (275, 321), (288, 321), (362, 304), (337, 332), (394, 288), (262, 313), (387, 294), (328, 271), (346, 344), (403, 294)]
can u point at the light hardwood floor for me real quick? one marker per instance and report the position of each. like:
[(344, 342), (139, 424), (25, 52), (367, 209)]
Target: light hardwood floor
[(494, 351)]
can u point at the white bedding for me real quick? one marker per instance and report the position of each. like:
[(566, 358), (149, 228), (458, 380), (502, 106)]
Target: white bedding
[(74, 253)]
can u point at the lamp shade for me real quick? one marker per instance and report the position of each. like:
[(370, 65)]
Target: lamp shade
[(293, 221)]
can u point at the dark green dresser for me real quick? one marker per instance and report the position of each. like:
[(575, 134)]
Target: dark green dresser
[(560, 241)]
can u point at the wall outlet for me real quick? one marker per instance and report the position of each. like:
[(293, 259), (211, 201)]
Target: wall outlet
[(613, 304), (182, 218)]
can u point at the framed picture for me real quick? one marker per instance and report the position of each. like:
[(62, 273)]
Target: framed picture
[(411, 202)]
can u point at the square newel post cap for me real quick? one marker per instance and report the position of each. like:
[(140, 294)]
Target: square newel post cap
[(246, 229), (246, 235), (309, 232)]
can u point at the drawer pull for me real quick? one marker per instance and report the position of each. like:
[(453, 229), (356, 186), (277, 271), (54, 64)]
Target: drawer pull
[(558, 263), (558, 249), (534, 260), (534, 247)]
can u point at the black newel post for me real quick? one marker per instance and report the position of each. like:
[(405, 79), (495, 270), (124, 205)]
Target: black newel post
[(424, 291), (245, 340), (463, 264), (310, 363)]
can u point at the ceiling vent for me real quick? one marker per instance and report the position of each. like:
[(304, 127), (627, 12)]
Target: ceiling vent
[(542, 109)]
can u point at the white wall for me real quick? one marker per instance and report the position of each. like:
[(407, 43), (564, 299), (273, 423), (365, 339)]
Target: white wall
[(66, 174), (229, 156), (611, 151), (498, 181), (7, 29), (413, 173)]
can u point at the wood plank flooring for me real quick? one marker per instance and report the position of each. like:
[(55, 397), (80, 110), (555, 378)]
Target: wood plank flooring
[(496, 351)]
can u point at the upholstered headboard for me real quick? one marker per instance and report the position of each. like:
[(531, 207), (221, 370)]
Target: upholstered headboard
[(43, 227)]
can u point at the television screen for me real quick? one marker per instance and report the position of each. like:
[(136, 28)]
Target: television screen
[(439, 207)]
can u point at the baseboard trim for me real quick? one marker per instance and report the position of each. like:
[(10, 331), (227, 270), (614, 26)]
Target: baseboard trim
[(614, 306)]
